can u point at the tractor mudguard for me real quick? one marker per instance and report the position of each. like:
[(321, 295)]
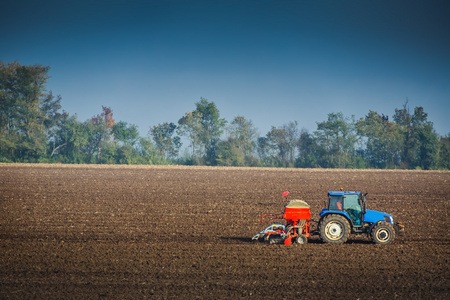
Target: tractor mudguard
[(337, 212)]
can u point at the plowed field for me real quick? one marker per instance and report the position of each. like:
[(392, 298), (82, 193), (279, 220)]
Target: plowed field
[(185, 232)]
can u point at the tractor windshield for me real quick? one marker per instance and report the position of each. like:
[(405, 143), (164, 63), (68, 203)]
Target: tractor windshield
[(352, 206), (352, 202)]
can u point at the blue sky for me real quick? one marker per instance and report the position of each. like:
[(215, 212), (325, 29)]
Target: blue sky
[(271, 61)]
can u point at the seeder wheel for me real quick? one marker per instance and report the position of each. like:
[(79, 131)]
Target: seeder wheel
[(302, 239)]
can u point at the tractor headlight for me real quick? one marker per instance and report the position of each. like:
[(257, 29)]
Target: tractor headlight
[(389, 219)]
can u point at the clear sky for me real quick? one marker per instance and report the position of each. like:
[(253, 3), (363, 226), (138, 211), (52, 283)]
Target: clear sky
[(271, 61)]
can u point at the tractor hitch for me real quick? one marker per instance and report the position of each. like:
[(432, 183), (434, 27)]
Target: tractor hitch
[(399, 229)]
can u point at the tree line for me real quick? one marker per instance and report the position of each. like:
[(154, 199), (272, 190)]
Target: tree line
[(34, 128)]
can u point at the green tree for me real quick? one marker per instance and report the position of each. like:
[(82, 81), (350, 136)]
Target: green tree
[(167, 145), (229, 153), (122, 150), (336, 139), (292, 137), (212, 128), (278, 147), (421, 143), (125, 134), (237, 149), (190, 125), (403, 118), (27, 111), (384, 140), (68, 140), (99, 132), (244, 133), (428, 150), (277, 141), (444, 152), (307, 150), (203, 127), (265, 152)]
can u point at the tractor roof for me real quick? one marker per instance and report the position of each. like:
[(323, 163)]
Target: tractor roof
[(342, 193)]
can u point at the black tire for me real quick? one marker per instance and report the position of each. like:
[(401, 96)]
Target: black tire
[(301, 239), (383, 234), (334, 229), (275, 239)]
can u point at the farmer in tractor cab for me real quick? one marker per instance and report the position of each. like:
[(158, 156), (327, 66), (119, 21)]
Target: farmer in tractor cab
[(336, 203), (339, 201)]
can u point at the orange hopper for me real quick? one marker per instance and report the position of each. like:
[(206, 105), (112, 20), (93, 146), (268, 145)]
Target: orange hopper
[(296, 210), (298, 215)]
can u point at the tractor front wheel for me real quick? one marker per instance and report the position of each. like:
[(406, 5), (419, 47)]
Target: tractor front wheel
[(383, 234), (334, 229)]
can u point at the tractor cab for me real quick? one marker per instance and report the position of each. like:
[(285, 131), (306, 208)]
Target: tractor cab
[(352, 204)]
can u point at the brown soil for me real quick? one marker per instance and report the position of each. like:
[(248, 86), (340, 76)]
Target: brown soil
[(185, 232)]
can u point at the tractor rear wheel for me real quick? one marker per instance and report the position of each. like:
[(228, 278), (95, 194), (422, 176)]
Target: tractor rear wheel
[(334, 229), (383, 234)]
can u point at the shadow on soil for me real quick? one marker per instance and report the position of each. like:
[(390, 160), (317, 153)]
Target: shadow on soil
[(310, 241), (237, 239)]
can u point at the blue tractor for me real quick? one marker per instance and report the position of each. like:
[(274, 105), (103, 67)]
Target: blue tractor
[(346, 213)]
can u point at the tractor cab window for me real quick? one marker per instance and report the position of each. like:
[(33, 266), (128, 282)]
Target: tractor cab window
[(336, 203), (352, 206)]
